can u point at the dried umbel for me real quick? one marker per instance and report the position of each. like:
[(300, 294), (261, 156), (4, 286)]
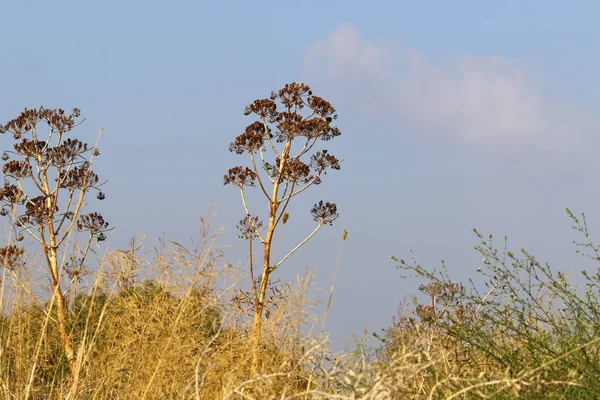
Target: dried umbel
[(240, 176), (39, 210), (294, 170), (324, 212), (322, 160), (11, 257), (249, 227), (284, 162), (10, 194), (252, 139), (93, 223), (17, 169), (69, 150), (81, 177), (60, 121)]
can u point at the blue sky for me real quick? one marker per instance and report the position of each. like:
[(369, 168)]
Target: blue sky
[(454, 115)]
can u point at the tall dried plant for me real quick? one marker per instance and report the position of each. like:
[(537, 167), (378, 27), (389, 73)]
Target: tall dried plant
[(46, 179), (288, 127)]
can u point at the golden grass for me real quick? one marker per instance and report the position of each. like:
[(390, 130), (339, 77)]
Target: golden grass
[(183, 332)]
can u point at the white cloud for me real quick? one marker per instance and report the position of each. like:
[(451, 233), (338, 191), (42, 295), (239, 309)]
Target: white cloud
[(487, 101)]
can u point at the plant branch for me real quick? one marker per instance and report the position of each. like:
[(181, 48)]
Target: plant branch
[(72, 192), (309, 184), (297, 247), (287, 201), (248, 214), (264, 121), (258, 175), (262, 157), (251, 259)]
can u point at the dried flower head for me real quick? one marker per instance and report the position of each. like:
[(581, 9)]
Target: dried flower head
[(263, 108), (66, 152), (294, 170), (292, 94), (322, 107), (248, 226), (240, 176), (252, 139), (17, 169), (289, 126), (322, 160), (325, 212), (81, 177), (10, 194), (60, 120), (11, 257), (38, 210), (93, 223), (30, 148)]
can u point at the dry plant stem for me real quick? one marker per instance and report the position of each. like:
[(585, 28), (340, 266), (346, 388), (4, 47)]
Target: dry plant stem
[(50, 251), (51, 248), (251, 256), (298, 246), (256, 230), (61, 308), (262, 187), (266, 272)]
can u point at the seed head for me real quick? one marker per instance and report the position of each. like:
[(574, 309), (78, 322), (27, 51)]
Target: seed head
[(325, 212)]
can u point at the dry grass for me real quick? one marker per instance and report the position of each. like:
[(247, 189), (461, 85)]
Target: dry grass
[(176, 326), (181, 334)]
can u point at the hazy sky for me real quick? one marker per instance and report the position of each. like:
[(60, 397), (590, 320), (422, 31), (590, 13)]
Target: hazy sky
[(454, 115)]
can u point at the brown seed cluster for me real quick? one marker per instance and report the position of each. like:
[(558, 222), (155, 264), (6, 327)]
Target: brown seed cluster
[(11, 257), (321, 107), (325, 212), (17, 169), (247, 227), (289, 122), (10, 194), (322, 160), (292, 95), (79, 177), (93, 223), (68, 151), (294, 170), (37, 210), (252, 139), (240, 176), (263, 108), (60, 120), (65, 162), (30, 148), (291, 113)]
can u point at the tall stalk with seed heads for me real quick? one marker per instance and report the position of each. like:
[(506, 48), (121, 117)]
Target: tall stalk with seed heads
[(284, 163), (46, 179)]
